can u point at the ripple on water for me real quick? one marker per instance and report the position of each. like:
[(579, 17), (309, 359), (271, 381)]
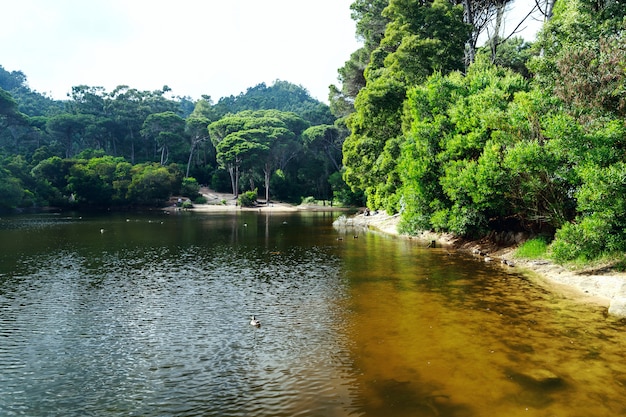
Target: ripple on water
[(165, 331)]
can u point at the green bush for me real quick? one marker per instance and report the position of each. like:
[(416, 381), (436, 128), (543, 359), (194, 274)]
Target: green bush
[(248, 199), (589, 239), (200, 200), (190, 188), (187, 204)]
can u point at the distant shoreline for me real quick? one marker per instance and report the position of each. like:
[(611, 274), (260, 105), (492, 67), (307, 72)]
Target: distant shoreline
[(223, 202)]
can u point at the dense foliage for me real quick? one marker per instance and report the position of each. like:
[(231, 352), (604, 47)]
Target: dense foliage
[(507, 136), (130, 147), (455, 136)]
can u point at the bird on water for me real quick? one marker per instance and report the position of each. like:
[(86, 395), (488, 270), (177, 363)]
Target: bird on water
[(255, 322)]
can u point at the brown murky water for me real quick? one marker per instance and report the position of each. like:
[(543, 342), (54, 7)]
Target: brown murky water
[(435, 334), (150, 317)]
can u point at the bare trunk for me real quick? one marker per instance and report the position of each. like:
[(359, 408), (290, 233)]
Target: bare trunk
[(470, 52), (332, 159), (494, 42), (267, 175), (164, 155), (548, 9), (236, 190), (193, 147), (132, 147), (233, 178)]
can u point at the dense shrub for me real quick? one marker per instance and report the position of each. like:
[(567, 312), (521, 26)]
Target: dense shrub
[(190, 188), (248, 199)]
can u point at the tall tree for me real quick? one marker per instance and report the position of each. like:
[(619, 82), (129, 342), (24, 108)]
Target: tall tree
[(422, 37), (166, 130), (269, 135), (370, 29), (196, 131)]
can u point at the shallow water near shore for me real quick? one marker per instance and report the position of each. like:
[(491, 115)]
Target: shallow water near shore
[(149, 315)]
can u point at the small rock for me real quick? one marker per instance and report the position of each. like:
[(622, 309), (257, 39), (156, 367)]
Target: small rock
[(617, 307), (508, 262), (539, 378)]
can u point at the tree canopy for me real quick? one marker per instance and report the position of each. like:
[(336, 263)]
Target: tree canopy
[(454, 135), (104, 148), (464, 139)]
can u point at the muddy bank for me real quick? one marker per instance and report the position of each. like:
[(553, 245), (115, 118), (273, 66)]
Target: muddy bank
[(604, 288)]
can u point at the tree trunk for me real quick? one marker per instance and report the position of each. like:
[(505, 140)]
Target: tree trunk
[(470, 52), (494, 42), (549, 8), (193, 147), (267, 175), (233, 181)]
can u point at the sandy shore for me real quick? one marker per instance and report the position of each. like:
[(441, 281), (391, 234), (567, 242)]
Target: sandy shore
[(606, 289), (222, 202)]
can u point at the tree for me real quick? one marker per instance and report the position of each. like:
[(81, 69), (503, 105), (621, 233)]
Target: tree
[(69, 130), (231, 152), (11, 190), (167, 130), (87, 100), (91, 181), (30, 102), (281, 96), (53, 170), (129, 108), (453, 167), (151, 183), (325, 139), (421, 37), (269, 135), (196, 131), (370, 28)]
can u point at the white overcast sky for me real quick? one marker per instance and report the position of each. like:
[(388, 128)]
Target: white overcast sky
[(214, 47)]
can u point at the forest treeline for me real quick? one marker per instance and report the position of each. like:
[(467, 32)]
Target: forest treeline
[(128, 147), (509, 135), (444, 115)]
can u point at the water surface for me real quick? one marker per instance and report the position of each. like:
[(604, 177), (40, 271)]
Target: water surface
[(148, 315)]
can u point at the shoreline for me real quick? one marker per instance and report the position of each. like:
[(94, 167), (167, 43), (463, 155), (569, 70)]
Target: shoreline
[(261, 208), (604, 289)]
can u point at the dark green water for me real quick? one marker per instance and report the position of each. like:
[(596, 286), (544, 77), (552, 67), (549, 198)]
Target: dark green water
[(148, 315)]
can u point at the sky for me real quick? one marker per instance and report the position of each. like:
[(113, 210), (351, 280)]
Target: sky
[(195, 47)]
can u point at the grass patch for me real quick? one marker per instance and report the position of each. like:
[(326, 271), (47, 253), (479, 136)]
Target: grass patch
[(532, 249)]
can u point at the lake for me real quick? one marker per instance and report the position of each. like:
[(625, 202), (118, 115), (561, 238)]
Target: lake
[(147, 314)]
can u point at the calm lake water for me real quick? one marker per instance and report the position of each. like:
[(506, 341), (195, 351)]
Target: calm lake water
[(148, 315)]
